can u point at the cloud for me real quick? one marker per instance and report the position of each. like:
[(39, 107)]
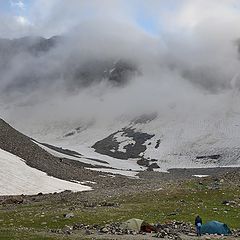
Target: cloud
[(23, 21), (17, 4), (14, 26), (190, 63)]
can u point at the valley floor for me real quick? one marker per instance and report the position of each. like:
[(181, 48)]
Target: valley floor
[(153, 198)]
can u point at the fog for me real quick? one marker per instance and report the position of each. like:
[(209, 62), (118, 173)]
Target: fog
[(189, 63)]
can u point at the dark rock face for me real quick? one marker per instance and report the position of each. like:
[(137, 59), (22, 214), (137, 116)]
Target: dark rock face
[(108, 144), (152, 166), (158, 143), (143, 162), (215, 156), (121, 72)]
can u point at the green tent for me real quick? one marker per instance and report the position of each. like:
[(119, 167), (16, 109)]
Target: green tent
[(133, 224), (214, 227)]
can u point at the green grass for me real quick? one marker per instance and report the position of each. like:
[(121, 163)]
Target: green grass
[(182, 204), (13, 235)]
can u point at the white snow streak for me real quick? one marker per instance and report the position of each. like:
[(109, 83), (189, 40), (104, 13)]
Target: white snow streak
[(17, 178)]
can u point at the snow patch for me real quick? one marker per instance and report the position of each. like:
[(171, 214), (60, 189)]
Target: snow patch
[(200, 176), (123, 141), (129, 173), (17, 178)]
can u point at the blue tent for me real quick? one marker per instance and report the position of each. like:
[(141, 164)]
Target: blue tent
[(214, 227)]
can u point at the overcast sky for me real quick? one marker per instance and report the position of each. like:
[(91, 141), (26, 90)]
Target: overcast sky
[(180, 46), (44, 17)]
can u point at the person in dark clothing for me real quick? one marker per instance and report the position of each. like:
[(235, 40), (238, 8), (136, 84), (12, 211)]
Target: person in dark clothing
[(198, 224)]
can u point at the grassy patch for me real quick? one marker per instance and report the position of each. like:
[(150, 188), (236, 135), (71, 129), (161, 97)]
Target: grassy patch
[(182, 204), (10, 234)]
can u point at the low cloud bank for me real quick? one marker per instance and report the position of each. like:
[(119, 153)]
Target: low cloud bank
[(190, 64)]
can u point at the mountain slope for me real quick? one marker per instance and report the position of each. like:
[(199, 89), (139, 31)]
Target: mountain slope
[(156, 142), (35, 156), (20, 145)]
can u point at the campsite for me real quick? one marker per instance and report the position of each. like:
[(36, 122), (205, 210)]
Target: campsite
[(119, 119), (121, 212)]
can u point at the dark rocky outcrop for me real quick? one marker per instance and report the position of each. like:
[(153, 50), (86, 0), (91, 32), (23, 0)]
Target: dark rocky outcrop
[(109, 143), (215, 157), (121, 72)]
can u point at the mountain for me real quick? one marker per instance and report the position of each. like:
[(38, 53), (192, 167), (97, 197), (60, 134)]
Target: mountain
[(109, 112), (33, 45), (30, 62)]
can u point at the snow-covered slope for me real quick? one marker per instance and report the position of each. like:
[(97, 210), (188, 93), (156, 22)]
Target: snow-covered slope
[(17, 178), (172, 141)]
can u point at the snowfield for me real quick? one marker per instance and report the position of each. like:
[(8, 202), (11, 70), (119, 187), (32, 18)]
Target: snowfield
[(127, 168), (181, 140), (17, 178), (182, 136)]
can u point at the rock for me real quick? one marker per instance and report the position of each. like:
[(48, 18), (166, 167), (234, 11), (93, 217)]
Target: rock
[(154, 165), (67, 229), (12, 200), (143, 162), (78, 226), (107, 204), (104, 230), (88, 232), (172, 214), (225, 202), (68, 215)]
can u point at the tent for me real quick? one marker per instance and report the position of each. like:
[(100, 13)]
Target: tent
[(133, 224), (214, 227), (137, 225)]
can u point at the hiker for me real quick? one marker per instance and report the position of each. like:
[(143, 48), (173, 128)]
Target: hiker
[(198, 224)]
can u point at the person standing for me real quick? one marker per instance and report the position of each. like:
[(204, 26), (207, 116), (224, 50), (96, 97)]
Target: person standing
[(198, 224)]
